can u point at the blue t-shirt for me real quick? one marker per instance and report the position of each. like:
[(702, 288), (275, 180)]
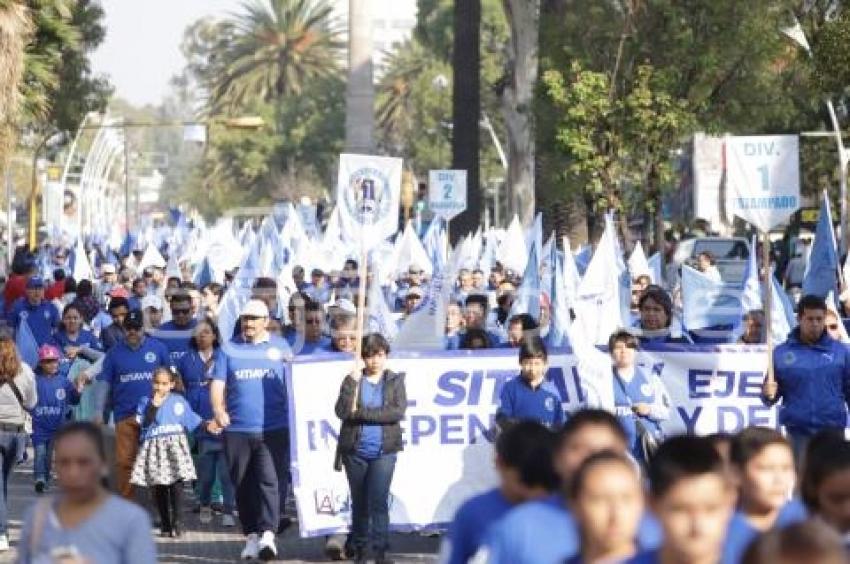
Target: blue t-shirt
[(255, 388), (322, 344), (175, 338), (85, 338), (544, 532), (196, 377), (129, 373), (472, 522), (118, 531), (174, 417), (518, 400), (371, 436), (646, 557), (42, 318), (639, 389), (740, 533), (55, 395)]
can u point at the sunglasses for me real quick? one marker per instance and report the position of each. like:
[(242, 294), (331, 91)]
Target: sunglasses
[(132, 328), (181, 311)]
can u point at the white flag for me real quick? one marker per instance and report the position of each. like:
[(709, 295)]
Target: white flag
[(368, 193)]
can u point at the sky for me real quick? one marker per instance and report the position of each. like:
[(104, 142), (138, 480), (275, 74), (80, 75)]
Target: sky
[(141, 51)]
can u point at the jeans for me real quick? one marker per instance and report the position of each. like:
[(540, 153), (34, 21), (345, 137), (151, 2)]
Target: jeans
[(11, 445), (259, 470), (43, 461), (212, 465), (369, 482)]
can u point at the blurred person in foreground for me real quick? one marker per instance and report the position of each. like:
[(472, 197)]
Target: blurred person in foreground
[(83, 522)]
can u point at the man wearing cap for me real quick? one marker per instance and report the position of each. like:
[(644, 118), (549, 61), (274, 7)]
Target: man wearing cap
[(126, 378), (412, 300), (249, 400), (108, 280), (40, 314), (152, 310)]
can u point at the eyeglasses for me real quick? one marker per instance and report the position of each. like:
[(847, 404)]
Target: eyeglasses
[(180, 311)]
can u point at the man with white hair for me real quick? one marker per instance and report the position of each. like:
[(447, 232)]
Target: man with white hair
[(249, 400)]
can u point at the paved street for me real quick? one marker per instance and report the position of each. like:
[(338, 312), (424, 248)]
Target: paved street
[(211, 543)]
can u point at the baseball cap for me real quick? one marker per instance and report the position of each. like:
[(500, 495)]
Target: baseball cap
[(134, 319), (345, 305), (119, 292), (48, 352), (255, 308), (151, 301), (107, 268), (35, 282)]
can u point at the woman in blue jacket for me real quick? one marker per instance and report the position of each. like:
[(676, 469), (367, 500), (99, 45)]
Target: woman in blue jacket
[(196, 368)]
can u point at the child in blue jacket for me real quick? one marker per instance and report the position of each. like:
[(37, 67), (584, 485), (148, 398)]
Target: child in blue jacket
[(55, 395)]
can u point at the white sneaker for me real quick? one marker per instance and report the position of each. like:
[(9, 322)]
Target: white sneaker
[(227, 520), (4, 543), (252, 549), (206, 515), (268, 550)]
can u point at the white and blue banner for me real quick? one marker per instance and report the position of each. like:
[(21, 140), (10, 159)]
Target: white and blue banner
[(452, 400)]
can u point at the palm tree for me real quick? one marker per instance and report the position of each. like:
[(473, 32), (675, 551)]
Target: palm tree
[(15, 31), (394, 98), (276, 47)]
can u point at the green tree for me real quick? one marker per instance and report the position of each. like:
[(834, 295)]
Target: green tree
[(291, 79), (726, 60), (79, 90), (15, 31), (617, 144), (275, 48)]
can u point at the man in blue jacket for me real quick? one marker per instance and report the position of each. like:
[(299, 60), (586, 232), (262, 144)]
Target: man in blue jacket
[(811, 375), (40, 314)]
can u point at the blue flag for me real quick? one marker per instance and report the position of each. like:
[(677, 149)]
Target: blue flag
[(820, 278), (707, 303), (203, 274), (127, 245), (751, 295), (781, 311), (27, 346), (559, 316), (379, 319)]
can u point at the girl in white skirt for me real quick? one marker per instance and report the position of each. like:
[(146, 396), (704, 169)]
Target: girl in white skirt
[(164, 461)]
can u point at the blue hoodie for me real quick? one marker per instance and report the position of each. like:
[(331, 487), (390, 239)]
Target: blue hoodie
[(813, 382), (55, 396)]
